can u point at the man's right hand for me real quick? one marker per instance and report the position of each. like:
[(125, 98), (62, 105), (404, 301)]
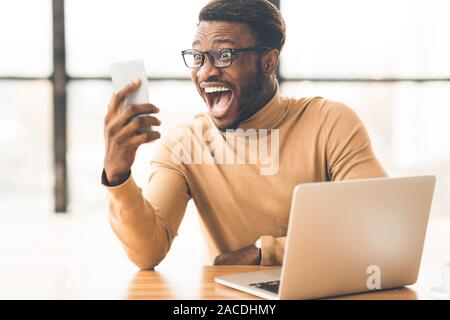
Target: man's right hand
[(125, 132)]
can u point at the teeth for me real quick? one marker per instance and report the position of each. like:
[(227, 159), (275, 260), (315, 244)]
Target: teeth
[(216, 89)]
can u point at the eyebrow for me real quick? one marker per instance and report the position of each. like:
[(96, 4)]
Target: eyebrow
[(218, 41)]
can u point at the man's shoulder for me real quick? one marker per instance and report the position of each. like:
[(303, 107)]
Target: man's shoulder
[(320, 107)]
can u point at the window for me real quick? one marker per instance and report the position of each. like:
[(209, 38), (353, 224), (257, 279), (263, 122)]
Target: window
[(339, 49), (366, 39), (25, 130), (100, 32), (388, 60), (25, 108), (26, 48)]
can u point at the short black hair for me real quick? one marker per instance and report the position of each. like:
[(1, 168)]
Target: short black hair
[(263, 18)]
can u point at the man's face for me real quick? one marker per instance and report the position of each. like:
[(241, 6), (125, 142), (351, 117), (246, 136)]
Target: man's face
[(243, 79)]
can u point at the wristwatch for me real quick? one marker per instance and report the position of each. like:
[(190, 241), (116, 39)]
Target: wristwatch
[(258, 245)]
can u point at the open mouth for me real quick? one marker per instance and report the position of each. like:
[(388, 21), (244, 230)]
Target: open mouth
[(218, 100)]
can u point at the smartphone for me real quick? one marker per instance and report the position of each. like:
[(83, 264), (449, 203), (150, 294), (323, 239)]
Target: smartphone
[(124, 72)]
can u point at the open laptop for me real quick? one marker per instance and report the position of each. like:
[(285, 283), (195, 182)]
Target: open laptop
[(347, 237)]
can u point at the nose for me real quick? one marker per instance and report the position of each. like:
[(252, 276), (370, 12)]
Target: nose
[(207, 70)]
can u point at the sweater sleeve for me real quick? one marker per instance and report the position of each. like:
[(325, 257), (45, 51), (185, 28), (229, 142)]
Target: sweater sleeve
[(146, 222), (348, 148), (349, 156)]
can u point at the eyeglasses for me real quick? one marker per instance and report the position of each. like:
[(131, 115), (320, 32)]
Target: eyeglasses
[(219, 58)]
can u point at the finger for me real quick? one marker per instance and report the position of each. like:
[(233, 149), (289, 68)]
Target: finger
[(111, 110), (117, 99), (137, 126), (132, 112), (147, 121), (128, 90), (145, 137), (141, 123), (135, 110)]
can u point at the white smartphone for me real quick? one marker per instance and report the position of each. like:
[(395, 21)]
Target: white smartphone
[(124, 72)]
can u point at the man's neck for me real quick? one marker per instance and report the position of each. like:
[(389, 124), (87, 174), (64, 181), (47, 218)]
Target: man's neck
[(269, 90)]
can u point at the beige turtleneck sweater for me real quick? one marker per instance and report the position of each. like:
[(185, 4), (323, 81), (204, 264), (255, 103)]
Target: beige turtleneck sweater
[(242, 181)]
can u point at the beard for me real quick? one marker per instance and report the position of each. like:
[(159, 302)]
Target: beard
[(248, 99)]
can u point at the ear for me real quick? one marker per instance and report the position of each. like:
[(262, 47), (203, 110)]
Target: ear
[(269, 62)]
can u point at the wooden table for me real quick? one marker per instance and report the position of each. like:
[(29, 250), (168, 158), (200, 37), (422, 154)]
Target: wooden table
[(104, 283), (182, 285), (74, 257)]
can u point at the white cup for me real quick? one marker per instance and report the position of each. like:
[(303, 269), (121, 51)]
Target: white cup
[(446, 277)]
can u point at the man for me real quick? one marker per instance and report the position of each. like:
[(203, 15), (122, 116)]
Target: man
[(218, 159)]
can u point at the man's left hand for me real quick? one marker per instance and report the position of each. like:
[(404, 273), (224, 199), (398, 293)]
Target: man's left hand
[(248, 255)]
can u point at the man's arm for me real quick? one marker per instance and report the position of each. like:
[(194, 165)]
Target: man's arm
[(349, 151), (147, 222)]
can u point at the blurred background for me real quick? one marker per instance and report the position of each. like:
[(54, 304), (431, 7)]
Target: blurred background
[(388, 60)]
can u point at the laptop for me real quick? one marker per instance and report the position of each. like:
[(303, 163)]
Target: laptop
[(347, 237)]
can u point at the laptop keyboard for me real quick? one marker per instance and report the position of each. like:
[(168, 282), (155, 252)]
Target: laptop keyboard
[(271, 286)]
